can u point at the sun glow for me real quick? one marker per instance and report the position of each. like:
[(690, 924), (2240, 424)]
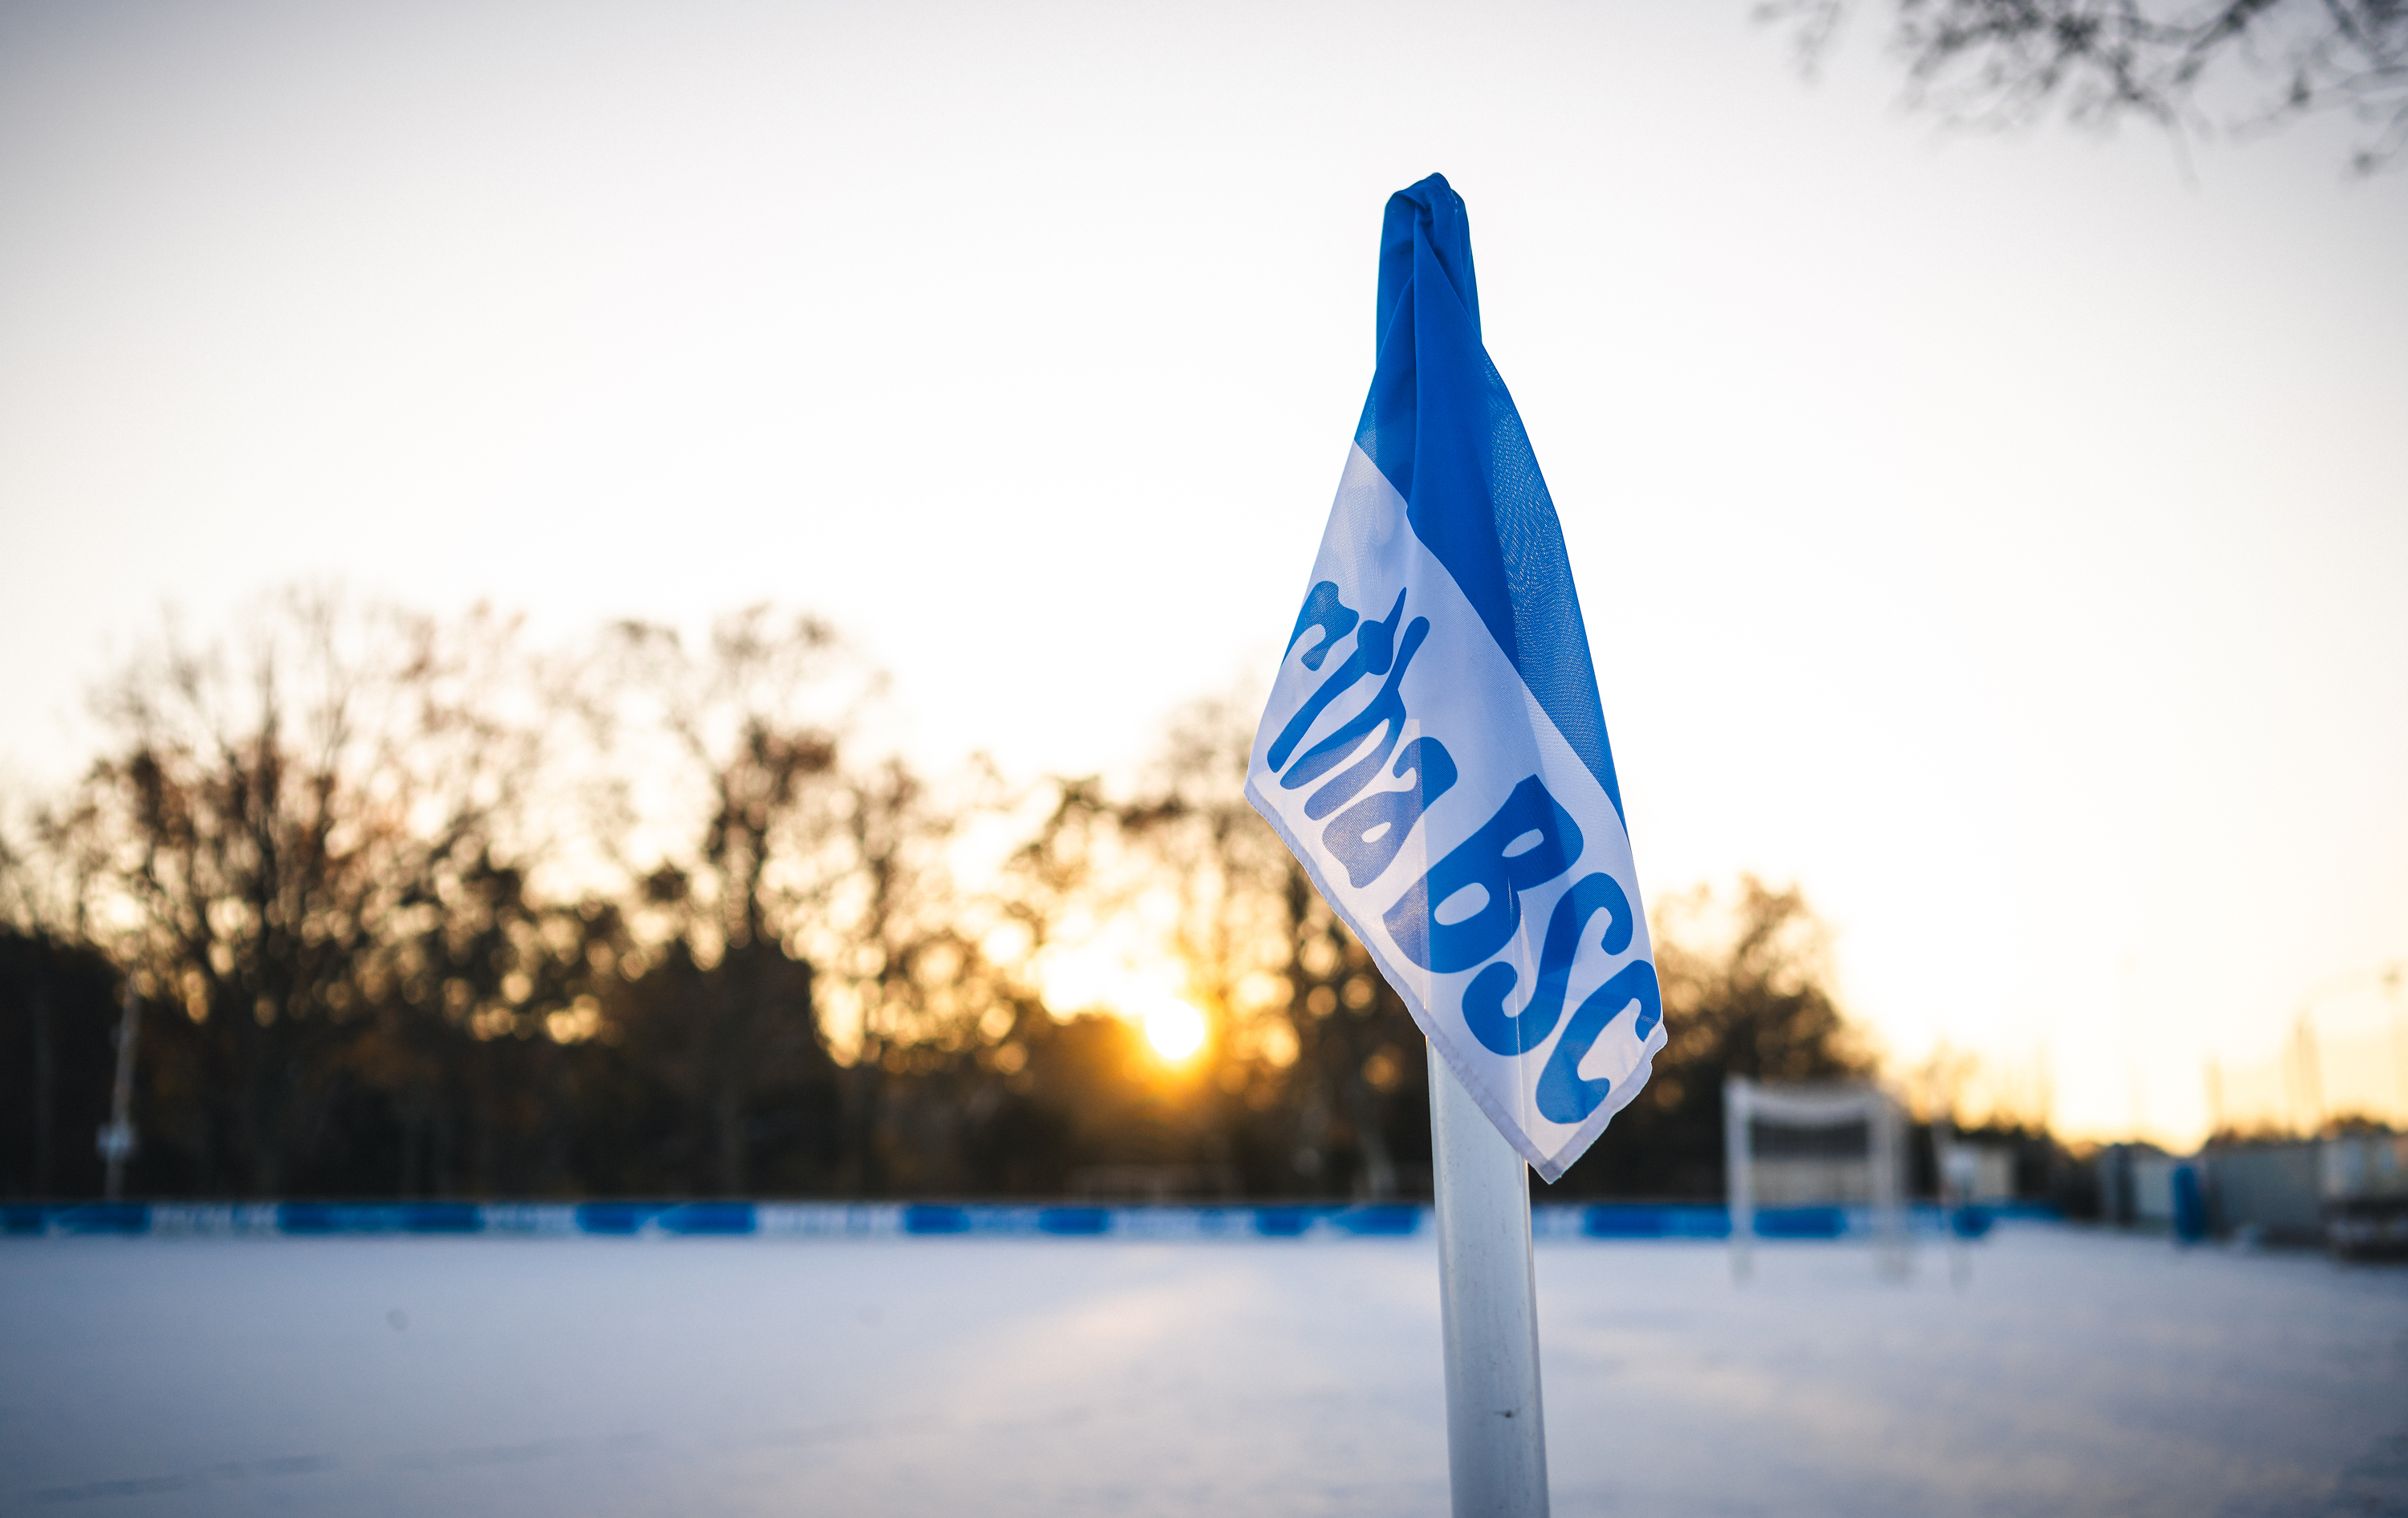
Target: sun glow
[(1114, 972), (1175, 1029)]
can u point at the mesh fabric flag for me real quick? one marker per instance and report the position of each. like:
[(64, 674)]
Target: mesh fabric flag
[(1434, 751)]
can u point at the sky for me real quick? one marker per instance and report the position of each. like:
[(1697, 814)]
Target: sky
[(2004, 538)]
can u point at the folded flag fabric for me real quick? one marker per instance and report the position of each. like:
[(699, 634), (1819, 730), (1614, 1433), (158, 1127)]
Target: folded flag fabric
[(1434, 751)]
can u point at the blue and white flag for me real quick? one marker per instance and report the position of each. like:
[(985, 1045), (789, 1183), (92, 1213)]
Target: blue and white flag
[(1434, 751)]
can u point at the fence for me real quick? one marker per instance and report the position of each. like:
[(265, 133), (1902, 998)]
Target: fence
[(838, 1220)]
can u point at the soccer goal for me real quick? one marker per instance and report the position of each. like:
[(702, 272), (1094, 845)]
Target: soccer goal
[(1806, 1159)]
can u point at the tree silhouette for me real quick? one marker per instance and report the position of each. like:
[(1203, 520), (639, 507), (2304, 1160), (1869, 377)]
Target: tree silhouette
[(728, 768), (274, 812), (413, 910)]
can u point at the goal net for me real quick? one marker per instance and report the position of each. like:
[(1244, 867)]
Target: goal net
[(1813, 1159)]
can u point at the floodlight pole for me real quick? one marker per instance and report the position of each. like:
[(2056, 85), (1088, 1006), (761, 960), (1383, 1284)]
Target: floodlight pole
[(1738, 1174), (1952, 1198), (116, 1141), (1895, 1250), (1496, 1437)]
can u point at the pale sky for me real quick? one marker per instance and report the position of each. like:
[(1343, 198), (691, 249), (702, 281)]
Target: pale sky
[(2005, 540)]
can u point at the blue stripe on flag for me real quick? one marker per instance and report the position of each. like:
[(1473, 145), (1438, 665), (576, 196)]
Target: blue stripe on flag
[(1455, 449)]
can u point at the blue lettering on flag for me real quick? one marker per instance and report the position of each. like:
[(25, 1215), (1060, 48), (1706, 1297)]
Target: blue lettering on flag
[(1484, 1000), (1325, 611), (1366, 836), (1500, 862), (1563, 1095), (1374, 647), (1385, 713)]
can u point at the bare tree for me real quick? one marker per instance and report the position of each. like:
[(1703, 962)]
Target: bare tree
[(270, 809), (729, 816), (2176, 63), (936, 981)]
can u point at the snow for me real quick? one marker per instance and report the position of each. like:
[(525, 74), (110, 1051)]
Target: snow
[(2074, 1372)]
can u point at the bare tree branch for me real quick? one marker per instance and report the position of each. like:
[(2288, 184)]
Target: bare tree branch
[(2243, 67)]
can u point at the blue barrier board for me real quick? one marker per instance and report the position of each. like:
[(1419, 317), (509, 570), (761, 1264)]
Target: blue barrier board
[(735, 1218)]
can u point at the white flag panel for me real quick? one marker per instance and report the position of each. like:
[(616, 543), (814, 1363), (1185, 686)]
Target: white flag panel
[(1443, 815)]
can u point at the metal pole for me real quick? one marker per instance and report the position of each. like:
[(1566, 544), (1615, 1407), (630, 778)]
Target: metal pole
[(1740, 1172), (1496, 1438), (116, 1139), (1953, 1197), (1890, 1210), (2312, 1073)]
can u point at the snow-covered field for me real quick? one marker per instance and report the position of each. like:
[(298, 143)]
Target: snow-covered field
[(2074, 1373)]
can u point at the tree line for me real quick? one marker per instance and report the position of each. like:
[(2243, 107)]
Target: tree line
[(410, 907)]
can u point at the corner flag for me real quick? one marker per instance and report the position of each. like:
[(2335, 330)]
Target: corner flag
[(1440, 645)]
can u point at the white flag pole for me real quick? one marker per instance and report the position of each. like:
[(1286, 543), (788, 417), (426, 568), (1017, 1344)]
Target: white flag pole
[(1496, 1438)]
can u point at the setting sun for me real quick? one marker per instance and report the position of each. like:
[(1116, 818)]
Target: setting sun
[(1175, 1029)]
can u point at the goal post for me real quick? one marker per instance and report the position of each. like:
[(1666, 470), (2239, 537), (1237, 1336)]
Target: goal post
[(1841, 1144)]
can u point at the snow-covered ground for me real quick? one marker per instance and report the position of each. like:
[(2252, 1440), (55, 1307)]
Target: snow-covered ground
[(2074, 1373)]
